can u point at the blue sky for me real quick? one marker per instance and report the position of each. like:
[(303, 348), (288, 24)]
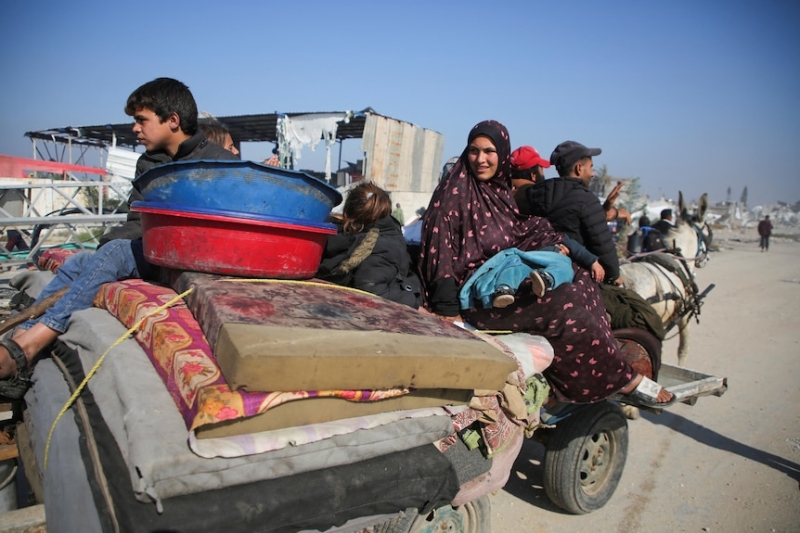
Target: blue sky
[(695, 96)]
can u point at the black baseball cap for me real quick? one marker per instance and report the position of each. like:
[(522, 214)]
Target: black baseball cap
[(570, 152)]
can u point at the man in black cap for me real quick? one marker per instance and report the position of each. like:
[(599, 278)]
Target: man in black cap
[(666, 222), (571, 207)]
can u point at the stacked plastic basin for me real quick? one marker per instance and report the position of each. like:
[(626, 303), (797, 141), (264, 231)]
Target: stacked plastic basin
[(235, 217)]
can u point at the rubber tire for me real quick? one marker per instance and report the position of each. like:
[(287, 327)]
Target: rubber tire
[(472, 517), (585, 457)]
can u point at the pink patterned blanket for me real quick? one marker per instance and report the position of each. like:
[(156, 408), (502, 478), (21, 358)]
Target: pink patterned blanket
[(52, 258), (181, 355)]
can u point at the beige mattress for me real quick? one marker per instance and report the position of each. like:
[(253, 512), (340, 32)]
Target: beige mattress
[(287, 336)]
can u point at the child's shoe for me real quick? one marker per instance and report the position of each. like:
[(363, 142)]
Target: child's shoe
[(541, 282), (503, 297)]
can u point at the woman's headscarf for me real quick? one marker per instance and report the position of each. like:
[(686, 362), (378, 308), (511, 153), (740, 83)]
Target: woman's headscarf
[(469, 220)]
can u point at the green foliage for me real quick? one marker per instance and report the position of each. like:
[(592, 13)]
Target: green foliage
[(630, 197), (743, 199), (601, 181), (92, 235), (91, 196)]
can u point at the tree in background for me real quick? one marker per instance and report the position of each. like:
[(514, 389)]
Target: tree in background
[(743, 199), (91, 198), (630, 197), (600, 181), (728, 197)]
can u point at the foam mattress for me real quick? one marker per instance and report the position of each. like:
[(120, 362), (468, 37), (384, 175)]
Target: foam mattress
[(282, 335)]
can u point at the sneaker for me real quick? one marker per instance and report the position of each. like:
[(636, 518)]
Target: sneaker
[(503, 297), (541, 282)]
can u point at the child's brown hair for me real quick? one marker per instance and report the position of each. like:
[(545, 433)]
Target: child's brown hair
[(214, 131), (366, 203)]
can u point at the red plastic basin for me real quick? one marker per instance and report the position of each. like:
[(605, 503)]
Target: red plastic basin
[(201, 241)]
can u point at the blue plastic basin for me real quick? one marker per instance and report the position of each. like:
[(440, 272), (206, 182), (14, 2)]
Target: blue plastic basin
[(242, 186)]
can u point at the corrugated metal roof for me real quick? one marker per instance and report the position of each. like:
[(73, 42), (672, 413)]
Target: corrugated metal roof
[(243, 128)]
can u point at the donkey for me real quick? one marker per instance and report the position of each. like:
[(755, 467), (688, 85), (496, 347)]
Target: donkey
[(666, 280)]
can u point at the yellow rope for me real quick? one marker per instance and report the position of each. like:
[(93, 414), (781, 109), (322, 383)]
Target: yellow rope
[(298, 282), (96, 366)]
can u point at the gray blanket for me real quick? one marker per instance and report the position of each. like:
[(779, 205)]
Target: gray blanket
[(153, 437)]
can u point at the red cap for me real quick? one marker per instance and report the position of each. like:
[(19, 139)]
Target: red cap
[(526, 157)]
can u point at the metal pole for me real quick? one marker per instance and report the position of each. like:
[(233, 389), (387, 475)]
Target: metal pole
[(339, 166)]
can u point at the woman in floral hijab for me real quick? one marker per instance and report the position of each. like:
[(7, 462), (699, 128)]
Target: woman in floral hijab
[(471, 217)]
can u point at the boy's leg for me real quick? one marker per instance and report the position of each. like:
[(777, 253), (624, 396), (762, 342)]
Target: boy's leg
[(85, 276), (508, 279), (558, 266), (512, 275), (560, 269), (541, 282), (112, 262), (66, 274)]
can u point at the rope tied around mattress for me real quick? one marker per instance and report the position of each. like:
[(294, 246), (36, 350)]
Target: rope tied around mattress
[(96, 366), (322, 284)]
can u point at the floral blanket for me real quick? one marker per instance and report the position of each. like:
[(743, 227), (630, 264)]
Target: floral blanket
[(52, 258), (180, 353)]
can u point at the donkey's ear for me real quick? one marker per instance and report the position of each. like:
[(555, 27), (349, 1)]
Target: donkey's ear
[(702, 207), (681, 206)]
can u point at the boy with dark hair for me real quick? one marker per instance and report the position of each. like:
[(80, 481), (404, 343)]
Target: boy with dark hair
[(666, 222), (167, 135), (165, 97), (165, 116), (571, 207)]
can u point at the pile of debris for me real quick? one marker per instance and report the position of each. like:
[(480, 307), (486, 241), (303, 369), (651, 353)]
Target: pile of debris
[(734, 215)]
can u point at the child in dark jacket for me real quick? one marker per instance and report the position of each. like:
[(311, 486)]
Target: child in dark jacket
[(370, 252)]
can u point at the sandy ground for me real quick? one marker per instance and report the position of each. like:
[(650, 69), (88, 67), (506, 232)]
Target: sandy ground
[(729, 463)]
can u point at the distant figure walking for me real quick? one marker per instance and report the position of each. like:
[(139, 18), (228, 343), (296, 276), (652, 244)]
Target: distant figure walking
[(765, 230), (398, 215)]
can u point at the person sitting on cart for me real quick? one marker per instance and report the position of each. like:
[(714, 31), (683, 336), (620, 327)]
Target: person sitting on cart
[(370, 252), (472, 217), (165, 115)]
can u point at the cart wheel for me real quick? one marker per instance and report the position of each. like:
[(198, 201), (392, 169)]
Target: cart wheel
[(472, 517), (584, 460)]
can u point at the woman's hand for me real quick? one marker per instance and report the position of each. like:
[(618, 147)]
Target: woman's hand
[(563, 250)]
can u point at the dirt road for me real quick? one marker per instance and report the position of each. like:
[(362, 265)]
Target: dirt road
[(726, 464)]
